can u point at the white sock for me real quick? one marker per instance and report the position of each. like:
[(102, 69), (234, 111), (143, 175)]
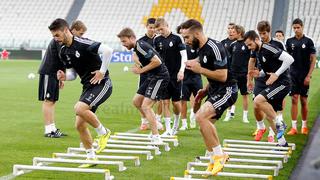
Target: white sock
[(184, 122), (217, 150), (176, 121), (158, 117), (90, 153), (233, 109), (167, 123), (280, 116), (261, 125), (282, 141), (245, 114), (101, 130), (228, 113), (210, 154), (53, 127), (304, 123), (144, 121), (294, 124), (271, 133), (47, 129)]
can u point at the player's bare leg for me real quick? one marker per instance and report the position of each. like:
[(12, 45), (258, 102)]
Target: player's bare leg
[(294, 114), (176, 111), (304, 114), (184, 109), (167, 115), (245, 103), (137, 102)]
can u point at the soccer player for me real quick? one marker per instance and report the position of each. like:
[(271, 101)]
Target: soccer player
[(303, 51), (172, 50), (49, 84), (279, 35), (275, 65), (81, 56), (264, 30), (227, 42), (192, 83), (148, 38), (147, 61), (240, 55), (222, 91)]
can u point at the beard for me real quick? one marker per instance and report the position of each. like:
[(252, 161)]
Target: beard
[(195, 43)]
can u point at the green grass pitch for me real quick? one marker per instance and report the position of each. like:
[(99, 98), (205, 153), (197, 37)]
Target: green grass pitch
[(22, 126)]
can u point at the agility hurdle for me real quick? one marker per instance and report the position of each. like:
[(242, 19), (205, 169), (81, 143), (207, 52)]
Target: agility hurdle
[(292, 145), (284, 157), (189, 173), (275, 169), (115, 151), (136, 159), (39, 161), (256, 151), (20, 169), (143, 135), (258, 147), (153, 148), (174, 141), (166, 145), (259, 161), (183, 178)]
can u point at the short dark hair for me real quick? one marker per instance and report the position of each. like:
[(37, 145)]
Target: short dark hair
[(264, 26), (78, 25), (178, 29), (280, 31), (58, 24), (126, 32), (232, 24), (192, 24), (250, 35), (297, 21), (159, 22), (151, 21)]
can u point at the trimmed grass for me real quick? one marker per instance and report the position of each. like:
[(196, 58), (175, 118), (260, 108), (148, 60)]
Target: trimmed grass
[(22, 126)]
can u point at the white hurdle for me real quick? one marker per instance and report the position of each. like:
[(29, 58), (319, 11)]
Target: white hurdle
[(39, 161), (166, 145), (143, 135), (136, 159), (275, 169), (115, 137), (226, 141), (189, 173), (258, 147), (278, 163), (183, 178), (20, 169), (256, 151), (114, 151), (153, 148)]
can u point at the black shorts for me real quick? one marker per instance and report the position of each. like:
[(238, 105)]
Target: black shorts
[(191, 86), (298, 87), (96, 95), (259, 85), (173, 91), (142, 78), (154, 87), (242, 83), (48, 88), (223, 99), (276, 92)]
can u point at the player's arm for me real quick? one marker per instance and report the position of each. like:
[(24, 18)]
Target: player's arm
[(184, 58), (313, 60), (67, 75), (106, 53), (218, 74), (154, 62)]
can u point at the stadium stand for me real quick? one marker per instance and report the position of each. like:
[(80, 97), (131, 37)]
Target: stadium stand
[(24, 23)]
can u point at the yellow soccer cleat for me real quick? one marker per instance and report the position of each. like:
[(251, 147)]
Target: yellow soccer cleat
[(219, 162), (102, 141), (255, 132), (209, 169), (89, 165)]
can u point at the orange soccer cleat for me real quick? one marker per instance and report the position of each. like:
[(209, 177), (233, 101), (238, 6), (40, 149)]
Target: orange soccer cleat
[(292, 131)]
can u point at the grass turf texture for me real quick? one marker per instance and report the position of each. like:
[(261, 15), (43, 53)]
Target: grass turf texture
[(22, 126)]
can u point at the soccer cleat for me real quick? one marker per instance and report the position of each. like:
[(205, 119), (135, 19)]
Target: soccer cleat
[(260, 133), (255, 132), (231, 115), (271, 139), (167, 133), (245, 120), (227, 118), (103, 140), (88, 165), (285, 145), (192, 123), (281, 128), (174, 132), (292, 131), (304, 130), (55, 134), (219, 162), (183, 127), (143, 127)]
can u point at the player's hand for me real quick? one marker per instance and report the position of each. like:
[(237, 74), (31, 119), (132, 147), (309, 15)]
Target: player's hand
[(250, 86), (306, 81), (61, 76), (194, 66), (61, 84), (200, 95), (180, 76), (98, 76), (273, 77), (136, 69), (254, 73)]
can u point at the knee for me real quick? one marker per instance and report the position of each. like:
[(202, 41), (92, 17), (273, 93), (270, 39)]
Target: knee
[(80, 108), (136, 103), (80, 126), (257, 102), (200, 118), (295, 99), (145, 107)]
